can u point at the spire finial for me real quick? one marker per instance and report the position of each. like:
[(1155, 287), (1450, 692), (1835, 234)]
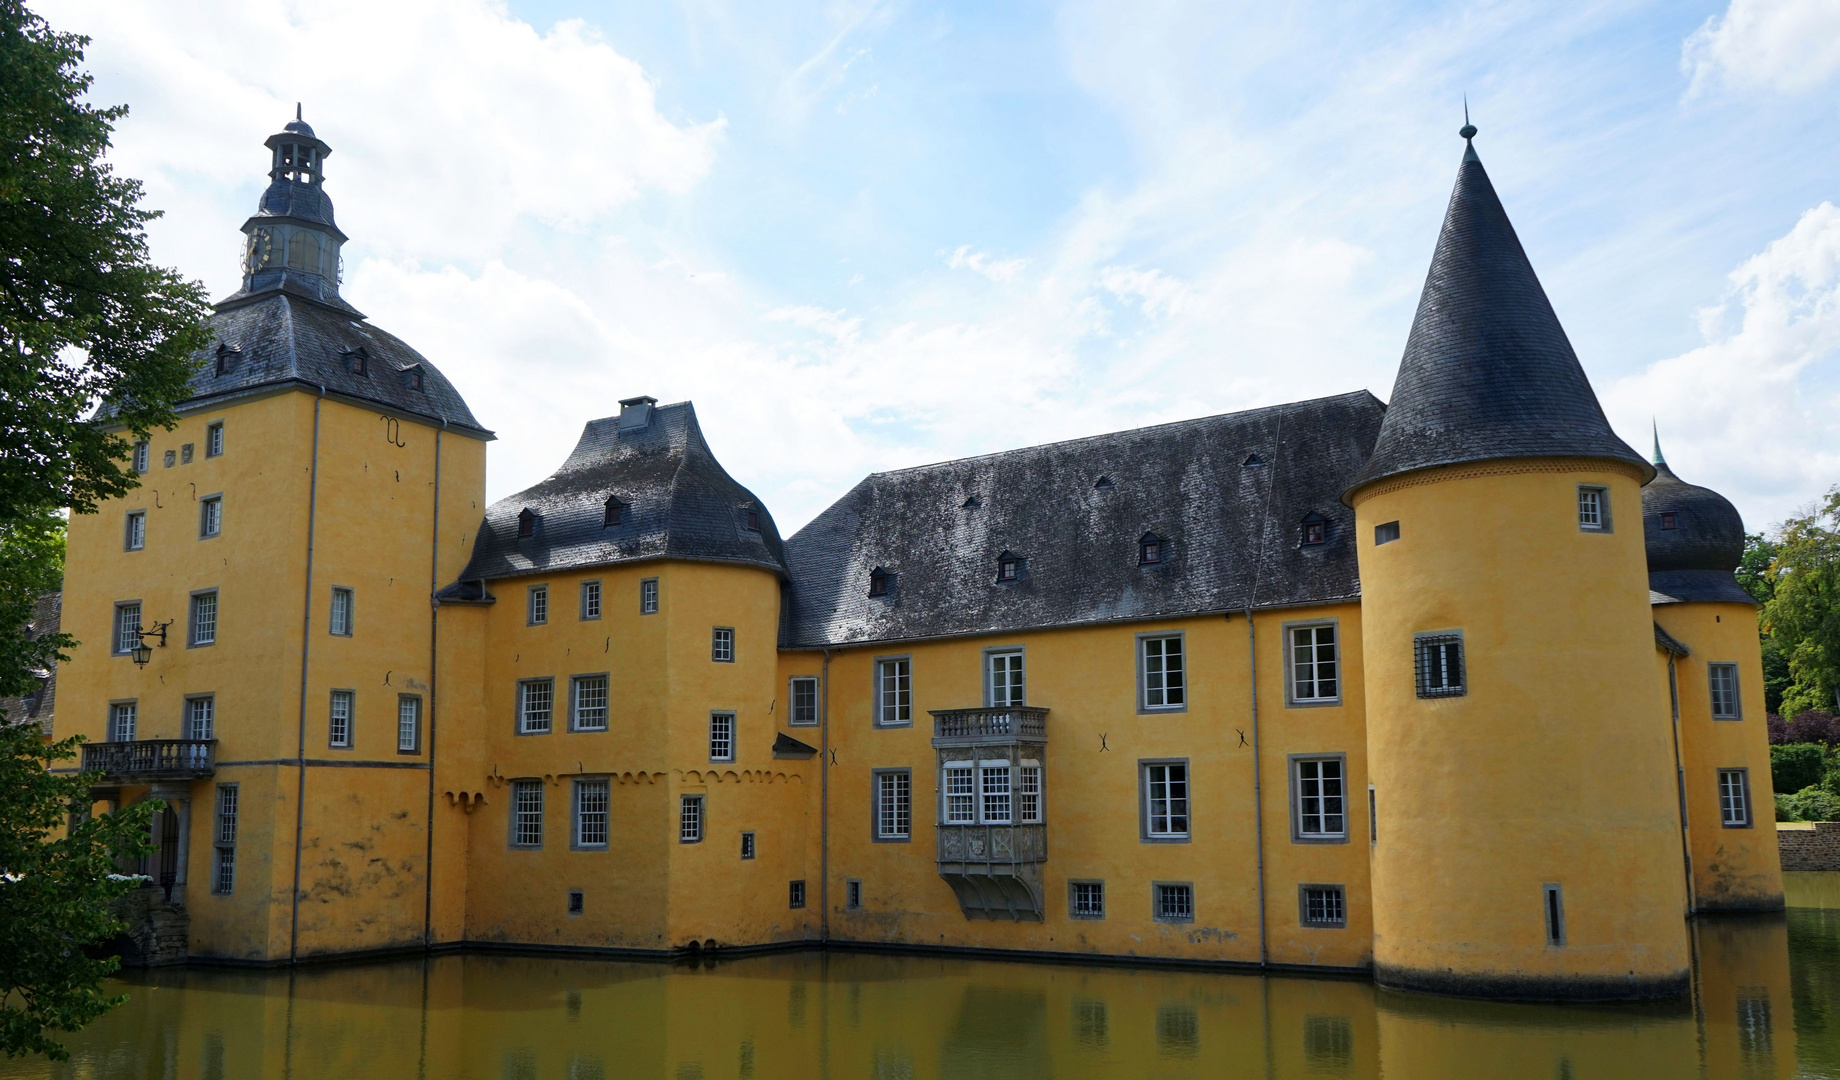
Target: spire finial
[(1468, 130), (1657, 459), (1465, 110)]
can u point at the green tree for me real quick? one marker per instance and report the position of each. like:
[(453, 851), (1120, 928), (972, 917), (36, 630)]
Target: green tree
[(1757, 575), (1796, 766), (1802, 616)]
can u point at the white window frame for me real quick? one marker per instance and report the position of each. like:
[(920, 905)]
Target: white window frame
[(1162, 891), (201, 619), (135, 536), (525, 689), (527, 814), (591, 820), (1313, 805), (690, 823), (408, 723), (1735, 798), (1726, 673), (141, 457), (127, 630), (337, 737), (996, 792), (201, 716), (582, 710), (1326, 910), (892, 815), (722, 645), (340, 611), (1010, 665), (894, 691), (1089, 908), (1159, 687), (722, 736), (590, 600), (210, 517), (1304, 678), (124, 719), (214, 439), (959, 793), (648, 596), (1593, 508), (795, 717), (1031, 800), (536, 605), (1173, 807)]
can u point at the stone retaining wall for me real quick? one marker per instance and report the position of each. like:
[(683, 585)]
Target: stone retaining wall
[(1810, 849)]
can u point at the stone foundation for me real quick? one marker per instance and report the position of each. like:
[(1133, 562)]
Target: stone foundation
[(157, 931), (1810, 849)]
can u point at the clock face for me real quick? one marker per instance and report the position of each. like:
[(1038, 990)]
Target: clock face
[(256, 254)]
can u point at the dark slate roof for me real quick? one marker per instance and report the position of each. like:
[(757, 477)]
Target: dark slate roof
[(277, 338), (1667, 642), (1488, 372), (1708, 533), (293, 199), (1690, 586), (1233, 529), (38, 706), (678, 503)]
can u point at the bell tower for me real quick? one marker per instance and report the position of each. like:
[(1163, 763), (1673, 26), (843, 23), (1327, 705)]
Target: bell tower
[(293, 242)]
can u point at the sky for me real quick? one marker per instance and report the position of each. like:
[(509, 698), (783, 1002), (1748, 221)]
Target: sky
[(865, 235)]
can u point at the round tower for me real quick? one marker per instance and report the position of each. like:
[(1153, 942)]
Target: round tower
[(1528, 834)]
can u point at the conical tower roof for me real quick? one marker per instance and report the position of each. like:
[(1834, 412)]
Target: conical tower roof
[(1488, 372)]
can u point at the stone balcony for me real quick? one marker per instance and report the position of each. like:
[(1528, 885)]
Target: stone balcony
[(989, 727), (149, 760)]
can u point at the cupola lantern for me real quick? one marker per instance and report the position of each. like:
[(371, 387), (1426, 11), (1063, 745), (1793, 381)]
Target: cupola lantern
[(293, 241)]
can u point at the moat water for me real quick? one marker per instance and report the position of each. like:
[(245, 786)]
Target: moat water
[(1766, 1003)]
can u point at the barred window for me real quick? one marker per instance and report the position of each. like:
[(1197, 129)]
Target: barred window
[(590, 599), (1321, 802), (994, 782), (722, 645), (1734, 798), (1315, 671), (893, 805), (1086, 899), (590, 702), (1322, 905), (211, 516), (339, 622), (1005, 678), (690, 820), (852, 894), (539, 605), (204, 619), (722, 736), (1164, 684), (1166, 800), (894, 694), (747, 845), (527, 813), (408, 723), (1440, 665), (961, 794), (127, 627), (1175, 903), (136, 537), (1724, 681), (201, 718), (340, 733), (223, 877), (795, 894), (1028, 793), (591, 813), (122, 718), (804, 702), (648, 596), (536, 702)]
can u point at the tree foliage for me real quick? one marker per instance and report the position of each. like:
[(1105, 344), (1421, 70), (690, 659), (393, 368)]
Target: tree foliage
[(1756, 574), (1802, 616)]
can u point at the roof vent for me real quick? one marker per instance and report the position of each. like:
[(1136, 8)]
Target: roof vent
[(636, 412), (973, 503), (1253, 461), (1104, 482)]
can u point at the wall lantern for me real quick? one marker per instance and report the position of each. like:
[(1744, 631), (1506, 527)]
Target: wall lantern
[(143, 652)]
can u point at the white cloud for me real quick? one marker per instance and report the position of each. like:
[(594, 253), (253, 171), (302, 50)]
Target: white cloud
[(1751, 412), (979, 262), (1783, 45)]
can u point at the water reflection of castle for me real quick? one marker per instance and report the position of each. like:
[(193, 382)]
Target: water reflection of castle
[(1440, 689)]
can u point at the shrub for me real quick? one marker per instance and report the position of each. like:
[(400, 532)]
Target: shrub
[(1785, 808), (1797, 766), (1809, 804), (1811, 726)]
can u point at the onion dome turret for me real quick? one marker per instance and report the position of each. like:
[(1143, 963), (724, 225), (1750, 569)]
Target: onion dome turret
[(1694, 537)]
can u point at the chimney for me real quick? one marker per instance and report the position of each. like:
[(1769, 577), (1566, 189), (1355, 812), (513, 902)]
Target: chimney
[(636, 412)]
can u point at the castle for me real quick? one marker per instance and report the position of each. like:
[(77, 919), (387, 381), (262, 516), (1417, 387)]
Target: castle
[(1439, 689)]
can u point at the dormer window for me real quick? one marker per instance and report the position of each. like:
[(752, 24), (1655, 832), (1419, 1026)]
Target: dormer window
[(1253, 461), (527, 523), (878, 581), (753, 519), (1103, 483), (227, 356), (1669, 521), (616, 512), (1009, 566), (411, 376), (972, 503), (1315, 530), (357, 361), (1150, 549)]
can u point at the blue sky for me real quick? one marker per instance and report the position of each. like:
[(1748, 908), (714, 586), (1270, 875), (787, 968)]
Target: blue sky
[(863, 236)]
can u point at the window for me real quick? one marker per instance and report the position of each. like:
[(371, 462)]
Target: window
[(1593, 508), (1440, 665), (1086, 899), (122, 717), (140, 457), (527, 523), (1166, 800), (210, 516), (795, 894), (804, 702), (616, 512), (1149, 549), (1669, 521), (1315, 674), (1003, 678), (1175, 902), (339, 622), (894, 695), (1009, 567), (852, 894), (1734, 798), (339, 733), (200, 717), (753, 520), (1028, 793), (1322, 905), (1724, 680), (1555, 914), (1386, 534), (204, 619), (722, 645), (539, 605), (1321, 798), (1373, 817), (527, 813), (878, 582), (136, 535), (127, 627), (1315, 531), (357, 361), (589, 694), (747, 846), (577, 902), (893, 804), (536, 703), (590, 599), (648, 596), (223, 877), (214, 440), (994, 786), (408, 723), (1160, 666), (690, 820), (722, 736), (591, 813), (961, 793)]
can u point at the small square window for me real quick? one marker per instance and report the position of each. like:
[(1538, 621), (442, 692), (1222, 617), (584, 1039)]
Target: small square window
[(1723, 681), (1439, 662), (1086, 899), (527, 813), (576, 902), (648, 596), (1670, 521), (590, 600), (1322, 905), (1386, 534), (852, 894), (538, 605), (210, 516), (747, 845), (1593, 508), (1150, 549), (690, 820), (795, 894), (136, 534), (214, 440), (1008, 569), (1315, 530), (722, 645), (804, 711), (526, 523), (1175, 902), (753, 520)]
